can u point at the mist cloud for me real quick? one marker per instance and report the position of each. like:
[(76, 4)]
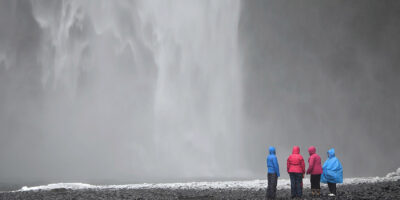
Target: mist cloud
[(135, 91)]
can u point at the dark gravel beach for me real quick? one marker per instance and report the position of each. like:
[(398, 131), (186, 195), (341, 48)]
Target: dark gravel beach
[(382, 190)]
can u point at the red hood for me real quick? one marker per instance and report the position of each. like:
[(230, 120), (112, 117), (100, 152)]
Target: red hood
[(311, 150), (295, 162), (296, 150)]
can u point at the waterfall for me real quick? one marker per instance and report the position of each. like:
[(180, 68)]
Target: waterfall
[(198, 89), (137, 89)]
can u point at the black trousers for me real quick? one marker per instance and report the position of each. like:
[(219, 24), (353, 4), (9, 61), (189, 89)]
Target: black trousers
[(332, 188), (296, 184), (315, 181), (272, 182)]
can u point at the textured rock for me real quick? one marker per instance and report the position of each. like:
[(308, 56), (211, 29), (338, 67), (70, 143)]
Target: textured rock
[(382, 190)]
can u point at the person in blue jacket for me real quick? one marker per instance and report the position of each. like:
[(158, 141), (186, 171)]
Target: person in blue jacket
[(273, 173), (332, 172)]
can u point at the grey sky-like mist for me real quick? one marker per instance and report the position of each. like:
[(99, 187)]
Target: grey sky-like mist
[(134, 91)]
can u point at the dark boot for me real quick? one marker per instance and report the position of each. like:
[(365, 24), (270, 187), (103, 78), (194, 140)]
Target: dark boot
[(312, 192), (318, 192)]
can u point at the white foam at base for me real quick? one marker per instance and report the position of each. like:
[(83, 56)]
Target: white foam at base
[(253, 184), (57, 186), (394, 174)]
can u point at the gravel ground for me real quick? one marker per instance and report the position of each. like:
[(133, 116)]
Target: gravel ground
[(382, 190)]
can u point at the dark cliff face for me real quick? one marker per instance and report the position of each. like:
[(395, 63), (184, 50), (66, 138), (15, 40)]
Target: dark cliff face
[(323, 74)]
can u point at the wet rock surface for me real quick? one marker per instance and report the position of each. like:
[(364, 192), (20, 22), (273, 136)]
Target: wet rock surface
[(382, 190)]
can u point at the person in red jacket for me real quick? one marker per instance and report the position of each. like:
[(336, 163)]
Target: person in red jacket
[(296, 170), (315, 169)]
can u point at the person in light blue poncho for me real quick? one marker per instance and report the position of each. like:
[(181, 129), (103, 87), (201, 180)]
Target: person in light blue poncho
[(332, 172)]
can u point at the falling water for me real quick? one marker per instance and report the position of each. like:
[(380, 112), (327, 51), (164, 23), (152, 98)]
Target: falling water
[(133, 90), (197, 95)]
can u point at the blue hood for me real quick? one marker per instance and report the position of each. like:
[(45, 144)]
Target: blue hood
[(272, 150), (331, 153)]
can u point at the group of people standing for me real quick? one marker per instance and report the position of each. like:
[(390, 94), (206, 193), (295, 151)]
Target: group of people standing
[(331, 172)]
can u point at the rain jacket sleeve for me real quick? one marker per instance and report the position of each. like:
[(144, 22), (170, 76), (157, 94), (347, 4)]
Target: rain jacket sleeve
[(303, 166), (311, 161), (323, 178), (276, 166), (287, 165)]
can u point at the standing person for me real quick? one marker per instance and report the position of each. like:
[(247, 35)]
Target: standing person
[(332, 172), (273, 173), (315, 169), (296, 170)]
